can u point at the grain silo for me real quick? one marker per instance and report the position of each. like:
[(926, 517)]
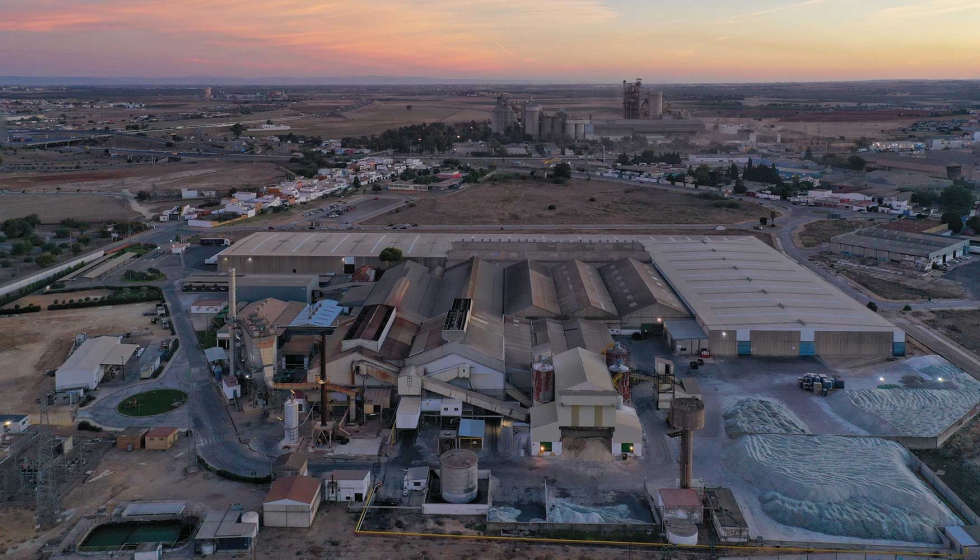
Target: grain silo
[(569, 131), (558, 126), (532, 120), (580, 130), (458, 476), (546, 122), (543, 382), (656, 105)]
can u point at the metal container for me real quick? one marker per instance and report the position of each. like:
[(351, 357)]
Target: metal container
[(458, 476), (292, 420), (251, 517), (687, 414), (543, 382)]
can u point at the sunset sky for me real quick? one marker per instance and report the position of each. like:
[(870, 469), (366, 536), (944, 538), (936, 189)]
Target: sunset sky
[(567, 40)]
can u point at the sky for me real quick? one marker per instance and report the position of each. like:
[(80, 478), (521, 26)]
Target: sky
[(603, 41)]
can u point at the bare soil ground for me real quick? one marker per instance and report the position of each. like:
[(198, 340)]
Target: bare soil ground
[(906, 289), (17, 528), (381, 115), (961, 326), (821, 231), (526, 202), (33, 343), (960, 459), (218, 176), (44, 300), (55, 207)]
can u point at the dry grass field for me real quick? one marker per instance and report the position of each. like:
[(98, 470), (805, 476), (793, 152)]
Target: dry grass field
[(961, 326), (821, 231), (32, 343), (527, 202), (52, 208)]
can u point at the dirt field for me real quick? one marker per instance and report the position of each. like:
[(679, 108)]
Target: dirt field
[(960, 459), (961, 326), (526, 202), (163, 177), (56, 207), (821, 231), (44, 300), (33, 343), (902, 289)]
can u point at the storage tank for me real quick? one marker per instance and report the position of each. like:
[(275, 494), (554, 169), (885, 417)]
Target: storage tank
[(558, 126), (532, 120), (687, 415), (681, 531), (546, 122), (291, 414), (543, 382), (569, 129), (656, 105), (457, 474), (580, 131), (251, 517)]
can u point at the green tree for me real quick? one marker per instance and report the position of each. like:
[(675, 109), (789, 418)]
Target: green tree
[(62, 232), (33, 220), (622, 159), (237, 129), (390, 255), (376, 187), (856, 162), (872, 306), (562, 170), (763, 220), (21, 248), (974, 224), (357, 183), (957, 199), (143, 195), (953, 220), (740, 187), (45, 260)]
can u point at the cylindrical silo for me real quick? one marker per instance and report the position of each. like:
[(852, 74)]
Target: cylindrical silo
[(657, 105), (569, 128), (558, 126), (545, 129), (532, 120), (580, 131), (251, 517), (543, 382), (457, 474), (291, 414)]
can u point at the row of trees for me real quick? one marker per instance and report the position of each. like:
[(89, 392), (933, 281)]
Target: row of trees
[(431, 137)]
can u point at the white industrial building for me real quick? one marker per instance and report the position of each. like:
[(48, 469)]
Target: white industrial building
[(346, 485), (86, 366), (586, 406), (14, 423)]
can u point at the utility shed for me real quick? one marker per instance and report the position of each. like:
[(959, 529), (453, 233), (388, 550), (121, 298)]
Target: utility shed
[(417, 478), (679, 503), (161, 438), (470, 434), (131, 436), (346, 485), (685, 336), (289, 464), (291, 502), (225, 532)]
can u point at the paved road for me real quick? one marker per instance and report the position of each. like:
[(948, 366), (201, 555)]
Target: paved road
[(962, 358)]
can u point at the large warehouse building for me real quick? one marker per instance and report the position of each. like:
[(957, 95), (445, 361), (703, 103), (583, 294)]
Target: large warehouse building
[(742, 296), (918, 250)]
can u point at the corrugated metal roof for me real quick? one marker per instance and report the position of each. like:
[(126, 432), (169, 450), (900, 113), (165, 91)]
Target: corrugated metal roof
[(578, 367), (137, 509), (916, 244), (580, 287), (471, 428), (685, 329), (320, 314), (634, 286)]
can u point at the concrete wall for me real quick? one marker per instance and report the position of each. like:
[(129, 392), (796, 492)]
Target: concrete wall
[(47, 273), (722, 345), (289, 515), (650, 314)]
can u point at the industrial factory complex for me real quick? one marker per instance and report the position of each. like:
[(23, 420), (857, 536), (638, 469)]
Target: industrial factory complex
[(644, 114)]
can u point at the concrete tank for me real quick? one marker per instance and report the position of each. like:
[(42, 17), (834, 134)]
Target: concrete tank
[(569, 129), (457, 474), (687, 414), (291, 414), (543, 382), (532, 120), (681, 531), (557, 126), (546, 121), (656, 105), (580, 131)]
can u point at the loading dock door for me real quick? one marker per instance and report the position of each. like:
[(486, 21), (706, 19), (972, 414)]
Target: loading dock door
[(348, 265)]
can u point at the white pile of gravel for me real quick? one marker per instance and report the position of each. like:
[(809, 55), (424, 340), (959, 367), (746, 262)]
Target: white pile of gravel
[(563, 511), (761, 416), (844, 486), (504, 514), (903, 412)]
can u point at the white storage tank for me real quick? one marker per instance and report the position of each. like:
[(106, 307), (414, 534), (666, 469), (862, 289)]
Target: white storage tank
[(532, 118), (458, 476), (543, 382), (680, 531), (292, 420), (251, 517)]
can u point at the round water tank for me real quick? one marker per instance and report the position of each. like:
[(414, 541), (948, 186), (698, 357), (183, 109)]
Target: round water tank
[(681, 531), (543, 381), (458, 476), (251, 517), (687, 414)]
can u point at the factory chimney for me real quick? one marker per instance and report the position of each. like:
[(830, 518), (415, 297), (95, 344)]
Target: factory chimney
[(687, 415)]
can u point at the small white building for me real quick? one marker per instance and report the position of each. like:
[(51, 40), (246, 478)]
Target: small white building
[(679, 504), (178, 248), (230, 387), (86, 366), (14, 423), (416, 479), (208, 306), (346, 486)]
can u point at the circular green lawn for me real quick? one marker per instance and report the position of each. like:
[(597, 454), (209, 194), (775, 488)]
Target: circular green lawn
[(152, 402)]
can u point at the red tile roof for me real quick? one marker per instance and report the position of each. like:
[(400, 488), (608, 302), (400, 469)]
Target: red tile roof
[(295, 488)]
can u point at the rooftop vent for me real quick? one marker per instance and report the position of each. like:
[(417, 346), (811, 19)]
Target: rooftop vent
[(458, 315)]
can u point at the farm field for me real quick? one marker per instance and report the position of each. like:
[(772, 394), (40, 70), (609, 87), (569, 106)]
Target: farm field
[(56, 207), (527, 202)]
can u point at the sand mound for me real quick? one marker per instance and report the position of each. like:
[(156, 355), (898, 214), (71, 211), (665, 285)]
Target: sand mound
[(563, 511), (587, 450), (855, 487), (903, 412), (504, 514), (761, 416)]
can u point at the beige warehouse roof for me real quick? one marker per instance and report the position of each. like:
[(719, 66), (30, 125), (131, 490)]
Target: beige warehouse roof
[(100, 351), (741, 283), (580, 370)]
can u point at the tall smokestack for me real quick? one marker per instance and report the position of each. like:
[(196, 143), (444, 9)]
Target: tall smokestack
[(232, 320), (323, 380)]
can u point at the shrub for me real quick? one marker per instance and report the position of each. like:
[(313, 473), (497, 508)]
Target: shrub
[(872, 306), (591, 199), (87, 426), (552, 207), (907, 308)]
